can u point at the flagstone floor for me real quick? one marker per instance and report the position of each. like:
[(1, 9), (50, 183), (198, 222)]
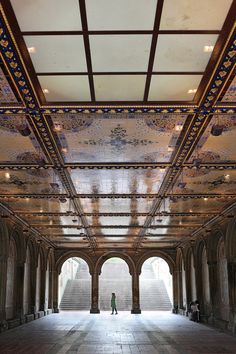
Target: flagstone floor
[(83, 333)]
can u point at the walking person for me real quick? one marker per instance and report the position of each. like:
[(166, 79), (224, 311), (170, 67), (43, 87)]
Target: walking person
[(113, 303)]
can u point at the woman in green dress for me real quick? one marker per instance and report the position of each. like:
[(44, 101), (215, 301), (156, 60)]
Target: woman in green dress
[(113, 303)]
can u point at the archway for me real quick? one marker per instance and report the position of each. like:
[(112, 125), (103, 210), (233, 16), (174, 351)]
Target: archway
[(74, 286), (115, 277), (156, 287)]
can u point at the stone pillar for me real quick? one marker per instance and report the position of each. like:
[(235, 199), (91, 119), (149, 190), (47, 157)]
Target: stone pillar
[(176, 289), (135, 294), (55, 276), (33, 277), (42, 289), (232, 294), (50, 290), (20, 270), (213, 290), (3, 284), (94, 293)]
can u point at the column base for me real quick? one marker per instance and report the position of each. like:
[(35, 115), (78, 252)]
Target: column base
[(94, 311), (136, 311)]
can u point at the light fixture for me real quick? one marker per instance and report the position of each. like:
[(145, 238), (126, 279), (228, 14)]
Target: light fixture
[(45, 90), (227, 176), (205, 199), (50, 222), (57, 127), (192, 90), (7, 175), (190, 210), (162, 170), (62, 199), (64, 150), (178, 127), (197, 162), (41, 210), (217, 130), (169, 149), (31, 50), (180, 223), (208, 48)]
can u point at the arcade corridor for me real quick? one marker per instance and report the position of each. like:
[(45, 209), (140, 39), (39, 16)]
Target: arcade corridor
[(82, 333)]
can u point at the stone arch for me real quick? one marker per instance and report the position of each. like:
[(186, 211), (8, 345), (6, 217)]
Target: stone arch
[(4, 239), (159, 254), (212, 244), (105, 257), (20, 244), (71, 254), (230, 244)]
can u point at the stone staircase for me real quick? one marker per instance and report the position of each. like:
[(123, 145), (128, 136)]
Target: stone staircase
[(153, 293), (77, 292), (114, 278)]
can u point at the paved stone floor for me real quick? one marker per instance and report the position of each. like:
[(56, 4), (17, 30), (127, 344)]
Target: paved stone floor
[(80, 332)]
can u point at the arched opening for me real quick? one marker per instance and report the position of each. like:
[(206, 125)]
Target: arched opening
[(74, 286), (184, 292), (156, 287), (11, 277), (115, 278)]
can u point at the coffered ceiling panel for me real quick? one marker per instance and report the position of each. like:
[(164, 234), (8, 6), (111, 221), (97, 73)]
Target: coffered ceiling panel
[(173, 87), (6, 93), (120, 52), (75, 88), (30, 181), (57, 53), (183, 52), (37, 205), (117, 181), (218, 141), (230, 95), (198, 205), (53, 15), (116, 205), (140, 138), (116, 220), (206, 181), (194, 15), (16, 132), (118, 15), (119, 87)]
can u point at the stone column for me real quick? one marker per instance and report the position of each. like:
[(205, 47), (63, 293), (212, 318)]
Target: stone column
[(55, 276), (42, 289), (20, 271), (3, 284), (94, 293), (232, 294), (176, 289), (50, 290), (135, 294), (33, 277), (213, 290)]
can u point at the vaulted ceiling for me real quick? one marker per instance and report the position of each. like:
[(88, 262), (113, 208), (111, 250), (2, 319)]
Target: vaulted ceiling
[(117, 120)]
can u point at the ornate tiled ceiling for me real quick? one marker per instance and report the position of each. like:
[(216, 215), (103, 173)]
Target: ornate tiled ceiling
[(117, 120)]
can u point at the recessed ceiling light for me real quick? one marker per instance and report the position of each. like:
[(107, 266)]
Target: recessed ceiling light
[(178, 127), (27, 199), (190, 210), (41, 210), (45, 90), (31, 49), (192, 91), (7, 175), (208, 48), (205, 199)]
